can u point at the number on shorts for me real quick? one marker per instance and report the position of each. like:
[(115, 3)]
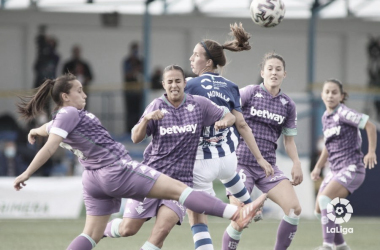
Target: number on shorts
[(243, 177)]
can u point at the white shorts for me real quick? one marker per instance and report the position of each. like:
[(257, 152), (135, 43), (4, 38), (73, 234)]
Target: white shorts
[(207, 170)]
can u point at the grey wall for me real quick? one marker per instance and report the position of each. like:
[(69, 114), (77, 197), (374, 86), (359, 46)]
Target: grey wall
[(340, 47)]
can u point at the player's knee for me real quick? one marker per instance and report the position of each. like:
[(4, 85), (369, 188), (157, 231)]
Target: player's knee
[(297, 209), (127, 231)]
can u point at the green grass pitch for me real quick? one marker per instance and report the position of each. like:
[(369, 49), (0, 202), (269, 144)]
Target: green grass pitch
[(57, 234)]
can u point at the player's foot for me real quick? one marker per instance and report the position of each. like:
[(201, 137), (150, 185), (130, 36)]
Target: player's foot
[(244, 215), (324, 248), (345, 247)]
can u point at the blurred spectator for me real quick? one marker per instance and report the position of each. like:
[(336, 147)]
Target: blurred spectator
[(133, 86), (47, 57), (374, 67), (155, 85), (80, 68), (11, 162), (156, 79)]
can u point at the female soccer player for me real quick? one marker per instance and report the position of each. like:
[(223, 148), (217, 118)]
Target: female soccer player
[(216, 157), (269, 113), (175, 122), (343, 151), (110, 174)]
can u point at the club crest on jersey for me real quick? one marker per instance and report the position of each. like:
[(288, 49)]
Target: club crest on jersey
[(283, 101), (268, 115), (164, 111), (190, 107), (208, 87), (258, 95)]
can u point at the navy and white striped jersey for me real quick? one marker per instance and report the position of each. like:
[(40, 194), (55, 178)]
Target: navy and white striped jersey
[(223, 92)]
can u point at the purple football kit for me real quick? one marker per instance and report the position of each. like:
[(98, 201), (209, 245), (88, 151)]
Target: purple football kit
[(343, 143), (268, 117), (172, 150), (109, 172)]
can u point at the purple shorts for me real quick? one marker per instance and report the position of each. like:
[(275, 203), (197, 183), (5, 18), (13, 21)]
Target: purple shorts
[(103, 188), (255, 175), (149, 208), (350, 177)]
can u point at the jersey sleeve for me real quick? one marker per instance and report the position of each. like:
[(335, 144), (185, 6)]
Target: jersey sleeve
[(245, 95), (64, 122), (211, 112), (352, 117), (236, 98), (290, 125)]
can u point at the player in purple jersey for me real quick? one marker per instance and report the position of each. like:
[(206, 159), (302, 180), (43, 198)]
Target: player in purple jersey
[(216, 156), (270, 113), (109, 172), (175, 122), (343, 151)]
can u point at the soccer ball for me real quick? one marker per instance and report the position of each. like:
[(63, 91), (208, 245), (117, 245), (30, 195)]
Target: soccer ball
[(267, 13)]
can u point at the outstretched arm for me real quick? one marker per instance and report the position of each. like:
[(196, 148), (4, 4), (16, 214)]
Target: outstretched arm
[(291, 150), (315, 174), (246, 132), (370, 158), (41, 157)]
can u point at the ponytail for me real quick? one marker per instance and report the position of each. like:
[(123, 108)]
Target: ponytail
[(31, 106)]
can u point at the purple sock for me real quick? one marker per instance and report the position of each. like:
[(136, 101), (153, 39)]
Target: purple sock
[(229, 243), (338, 239), (327, 224), (201, 202), (285, 234), (81, 243)]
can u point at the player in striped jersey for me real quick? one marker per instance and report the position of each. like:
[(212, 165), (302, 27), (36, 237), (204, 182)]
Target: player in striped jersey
[(270, 113), (343, 151), (216, 157)]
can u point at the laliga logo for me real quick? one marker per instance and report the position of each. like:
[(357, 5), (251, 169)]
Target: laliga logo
[(342, 209)]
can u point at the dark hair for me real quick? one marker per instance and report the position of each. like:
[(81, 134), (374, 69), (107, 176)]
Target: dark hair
[(340, 85), (214, 50), (271, 55), (173, 67), (30, 106)]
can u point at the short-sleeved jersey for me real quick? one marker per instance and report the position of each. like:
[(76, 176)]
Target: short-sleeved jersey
[(215, 144), (268, 116), (342, 136), (84, 135), (175, 137)]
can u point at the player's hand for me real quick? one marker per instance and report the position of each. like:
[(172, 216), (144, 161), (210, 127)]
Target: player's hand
[(155, 115), (297, 175), (220, 125), (268, 169), (32, 136), (315, 174), (370, 160), (19, 182)]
